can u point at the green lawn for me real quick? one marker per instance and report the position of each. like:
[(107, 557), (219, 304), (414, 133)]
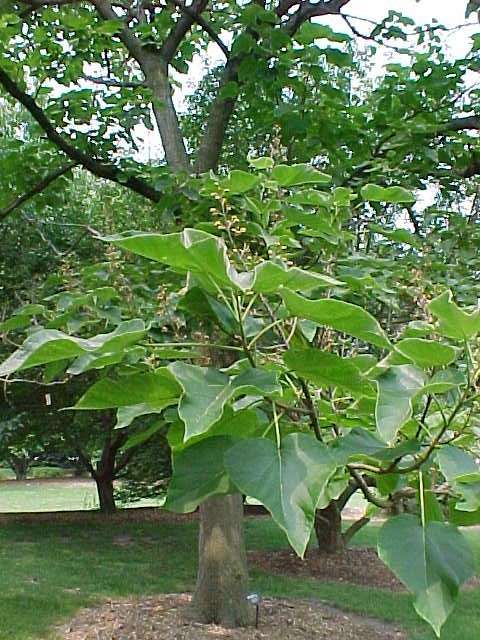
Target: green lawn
[(68, 494), (37, 472), (49, 571), (47, 495)]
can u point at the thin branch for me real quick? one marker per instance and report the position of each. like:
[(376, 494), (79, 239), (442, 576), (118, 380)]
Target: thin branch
[(111, 82), (383, 504), (354, 528), (311, 410), (181, 27), (38, 188), (414, 220), (97, 167), (195, 16)]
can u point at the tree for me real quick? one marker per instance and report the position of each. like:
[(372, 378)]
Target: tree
[(18, 447), (136, 47), (286, 417)]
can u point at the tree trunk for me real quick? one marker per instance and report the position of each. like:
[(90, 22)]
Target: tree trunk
[(105, 494), (20, 466), (328, 529), (222, 580)]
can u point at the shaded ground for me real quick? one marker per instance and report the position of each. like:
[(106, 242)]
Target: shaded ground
[(51, 570), (359, 565), (166, 617)]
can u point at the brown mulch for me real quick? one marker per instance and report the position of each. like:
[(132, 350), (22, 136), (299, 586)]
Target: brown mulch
[(167, 618), (359, 565)]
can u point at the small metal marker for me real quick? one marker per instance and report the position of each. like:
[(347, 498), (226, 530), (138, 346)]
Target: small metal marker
[(255, 598)]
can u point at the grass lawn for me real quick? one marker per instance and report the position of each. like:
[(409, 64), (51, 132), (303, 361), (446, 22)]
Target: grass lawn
[(37, 472), (66, 494), (49, 571)]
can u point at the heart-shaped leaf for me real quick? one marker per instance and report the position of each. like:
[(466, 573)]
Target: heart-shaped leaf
[(287, 480), (206, 392), (339, 315), (432, 562)]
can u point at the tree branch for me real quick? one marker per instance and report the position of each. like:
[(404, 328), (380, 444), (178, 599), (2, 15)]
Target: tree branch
[(181, 28), (355, 528), (308, 10), (111, 82), (466, 122), (38, 188), (208, 153), (195, 16), (97, 167), (155, 68)]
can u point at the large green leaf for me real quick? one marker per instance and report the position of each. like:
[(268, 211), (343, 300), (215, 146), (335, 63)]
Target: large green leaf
[(288, 481), (453, 322), (50, 345), (362, 443), (375, 193), (157, 390), (396, 389), (240, 181), (327, 369), (455, 462), (268, 276), (191, 250), (311, 31), (339, 315), (206, 392), (93, 361), (205, 256), (462, 472), (426, 353), (241, 424), (431, 561), (198, 473), (296, 174)]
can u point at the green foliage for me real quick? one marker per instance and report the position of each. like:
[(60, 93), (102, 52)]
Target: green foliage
[(291, 383), (307, 306), (433, 561), (288, 480)]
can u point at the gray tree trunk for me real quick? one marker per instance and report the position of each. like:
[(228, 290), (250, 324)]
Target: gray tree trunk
[(222, 580)]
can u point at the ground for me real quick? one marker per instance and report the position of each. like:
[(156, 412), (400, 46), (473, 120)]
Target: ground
[(166, 617), (54, 568), (51, 494)]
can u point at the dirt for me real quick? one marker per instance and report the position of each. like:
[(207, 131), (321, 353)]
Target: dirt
[(168, 617), (359, 565)]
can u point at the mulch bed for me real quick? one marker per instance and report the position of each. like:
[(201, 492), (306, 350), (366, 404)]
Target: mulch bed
[(167, 618), (358, 565)]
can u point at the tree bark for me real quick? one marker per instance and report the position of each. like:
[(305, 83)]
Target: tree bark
[(20, 466), (328, 529), (222, 580), (105, 494)]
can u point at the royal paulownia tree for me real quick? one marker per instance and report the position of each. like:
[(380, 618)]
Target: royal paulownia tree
[(312, 394), (89, 73)]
